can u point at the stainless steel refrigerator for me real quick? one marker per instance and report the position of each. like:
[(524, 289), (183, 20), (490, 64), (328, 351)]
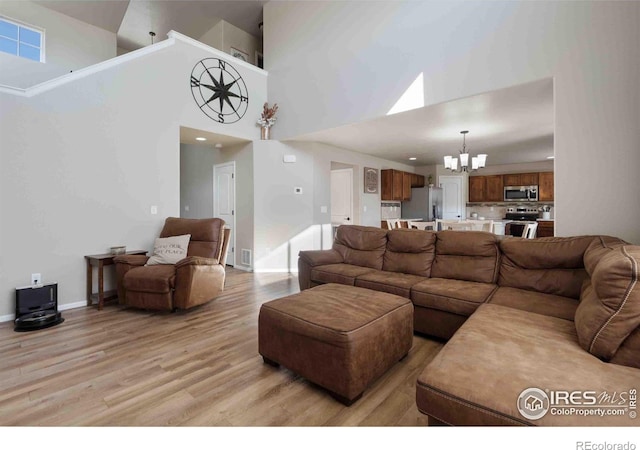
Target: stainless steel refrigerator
[(425, 203)]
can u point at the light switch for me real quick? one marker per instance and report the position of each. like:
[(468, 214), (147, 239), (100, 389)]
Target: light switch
[(364, 208), (154, 209), (323, 209)]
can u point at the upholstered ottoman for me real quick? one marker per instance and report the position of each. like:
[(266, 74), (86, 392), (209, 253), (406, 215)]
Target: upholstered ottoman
[(340, 337)]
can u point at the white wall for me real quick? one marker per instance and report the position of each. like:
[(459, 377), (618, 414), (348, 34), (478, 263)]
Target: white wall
[(81, 164), (69, 45), (196, 180), (286, 223), (224, 35), (196, 188), (343, 62)]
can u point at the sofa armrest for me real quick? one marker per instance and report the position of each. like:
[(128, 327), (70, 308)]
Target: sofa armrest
[(124, 263), (311, 258), (132, 260), (196, 261), (320, 257), (197, 283)]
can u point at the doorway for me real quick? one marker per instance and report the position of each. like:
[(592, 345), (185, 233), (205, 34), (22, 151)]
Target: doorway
[(224, 202), (452, 205), (342, 196)]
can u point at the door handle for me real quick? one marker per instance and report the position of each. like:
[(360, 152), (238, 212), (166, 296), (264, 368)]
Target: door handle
[(348, 218)]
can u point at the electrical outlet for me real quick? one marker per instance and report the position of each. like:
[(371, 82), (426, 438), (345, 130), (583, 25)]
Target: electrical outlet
[(154, 209), (36, 279), (186, 207)]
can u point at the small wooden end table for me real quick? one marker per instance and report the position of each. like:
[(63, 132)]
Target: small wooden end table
[(99, 261)]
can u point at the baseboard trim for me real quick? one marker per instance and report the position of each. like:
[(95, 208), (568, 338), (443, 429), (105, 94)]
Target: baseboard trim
[(66, 306)]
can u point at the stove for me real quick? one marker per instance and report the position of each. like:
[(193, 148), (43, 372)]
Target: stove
[(522, 214)]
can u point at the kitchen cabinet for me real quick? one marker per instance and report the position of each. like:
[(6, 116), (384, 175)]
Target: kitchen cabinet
[(396, 185), (477, 188), (545, 228), (545, 186), (486, 188), (417, 180), (406, 185), (391, 184), (494, 191), (520, 179)]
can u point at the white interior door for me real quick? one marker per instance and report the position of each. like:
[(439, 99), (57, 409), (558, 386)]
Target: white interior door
[(342, 196), (452, 206), (224, 202)]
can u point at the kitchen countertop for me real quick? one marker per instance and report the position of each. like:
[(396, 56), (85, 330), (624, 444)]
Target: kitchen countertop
[(546, 220)]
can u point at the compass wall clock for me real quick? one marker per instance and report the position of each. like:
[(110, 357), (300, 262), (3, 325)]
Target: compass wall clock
[(219, 90)]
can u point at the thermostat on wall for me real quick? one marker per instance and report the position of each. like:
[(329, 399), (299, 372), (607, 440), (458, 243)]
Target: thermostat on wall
[(289, 158), (297, 190)]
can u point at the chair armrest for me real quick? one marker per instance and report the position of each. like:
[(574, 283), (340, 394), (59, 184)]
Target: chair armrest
[(320, 257), (132, 260), (196, 261)]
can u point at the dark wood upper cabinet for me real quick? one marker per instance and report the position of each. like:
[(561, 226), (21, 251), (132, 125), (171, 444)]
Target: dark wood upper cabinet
[(545, 186), (396, 185), (477, 187), (520, 179), (406, 185), (486, 189), (494, 190), (528, 179), (417, 181)]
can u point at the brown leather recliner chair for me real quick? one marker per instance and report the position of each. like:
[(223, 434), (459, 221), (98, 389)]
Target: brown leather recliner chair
[(192, 281)]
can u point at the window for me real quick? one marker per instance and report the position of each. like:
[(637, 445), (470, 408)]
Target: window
[(20, 40)]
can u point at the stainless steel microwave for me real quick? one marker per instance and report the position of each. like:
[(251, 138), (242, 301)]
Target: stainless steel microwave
[(521, 193)]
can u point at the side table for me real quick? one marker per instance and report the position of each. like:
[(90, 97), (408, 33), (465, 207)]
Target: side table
[(99, 261)]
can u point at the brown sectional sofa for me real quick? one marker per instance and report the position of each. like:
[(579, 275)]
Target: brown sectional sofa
[(551, 313)]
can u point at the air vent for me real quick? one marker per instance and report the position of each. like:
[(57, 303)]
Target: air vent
[(245, 258)]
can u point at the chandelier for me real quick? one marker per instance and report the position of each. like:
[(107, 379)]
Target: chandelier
[(477, 162)]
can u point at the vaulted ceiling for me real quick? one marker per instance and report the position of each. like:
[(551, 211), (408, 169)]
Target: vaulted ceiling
[(132, 20)]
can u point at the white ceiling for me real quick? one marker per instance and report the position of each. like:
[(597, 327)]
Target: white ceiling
[(512, 125), (189, 135), (132, 20)]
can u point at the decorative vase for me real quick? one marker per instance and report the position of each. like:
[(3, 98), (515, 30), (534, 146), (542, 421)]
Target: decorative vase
[(265, 133)]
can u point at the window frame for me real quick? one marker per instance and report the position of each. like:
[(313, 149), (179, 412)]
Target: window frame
[(20, 24)]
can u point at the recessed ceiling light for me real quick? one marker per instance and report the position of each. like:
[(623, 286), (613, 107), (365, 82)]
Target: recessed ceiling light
[(413, 158), (201, 139), (550, 157), (218, 145)]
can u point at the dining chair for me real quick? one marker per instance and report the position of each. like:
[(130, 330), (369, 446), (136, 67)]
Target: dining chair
[(422, 225), (530, 230), (393, 223), (458, 226)]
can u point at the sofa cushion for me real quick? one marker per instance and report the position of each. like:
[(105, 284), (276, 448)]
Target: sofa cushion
[(609, 309), (466, 255), (361, 246), (158, 278), (536, 302), (628, 353), (551, 265), (599, 247), (337, 273), (207, 235), (410, 251), (455, 296), (391, 282), (478, 376)]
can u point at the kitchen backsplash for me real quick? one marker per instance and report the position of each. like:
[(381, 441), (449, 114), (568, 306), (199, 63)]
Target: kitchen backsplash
[(497, 212)]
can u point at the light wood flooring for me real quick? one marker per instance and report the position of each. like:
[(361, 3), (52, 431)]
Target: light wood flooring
[(126, 367)]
